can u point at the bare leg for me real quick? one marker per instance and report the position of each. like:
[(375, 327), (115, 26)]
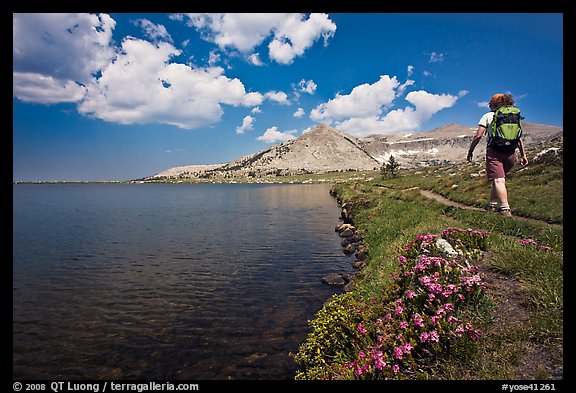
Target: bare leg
[(499, 192), (493, 194)]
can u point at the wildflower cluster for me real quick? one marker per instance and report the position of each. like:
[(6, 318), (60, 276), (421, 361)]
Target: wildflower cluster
[(535, 244), (422, 315)]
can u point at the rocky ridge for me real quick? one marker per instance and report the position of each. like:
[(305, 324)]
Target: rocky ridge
[(325, 149)]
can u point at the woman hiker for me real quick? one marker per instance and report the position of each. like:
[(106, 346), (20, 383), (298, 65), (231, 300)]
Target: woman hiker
[(498, 163)]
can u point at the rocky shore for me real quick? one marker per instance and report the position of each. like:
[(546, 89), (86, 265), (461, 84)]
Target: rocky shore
[(352, 244)]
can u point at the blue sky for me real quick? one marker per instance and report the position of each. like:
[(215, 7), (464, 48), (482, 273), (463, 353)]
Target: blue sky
[(122, 96)]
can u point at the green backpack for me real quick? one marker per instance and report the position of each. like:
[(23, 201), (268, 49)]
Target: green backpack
[(505, 129)]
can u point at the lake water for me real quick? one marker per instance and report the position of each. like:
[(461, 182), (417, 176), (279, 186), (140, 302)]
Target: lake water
[(168, 281)]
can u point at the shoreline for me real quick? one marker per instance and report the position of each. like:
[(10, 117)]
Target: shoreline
[(325, 178), (352, 244)]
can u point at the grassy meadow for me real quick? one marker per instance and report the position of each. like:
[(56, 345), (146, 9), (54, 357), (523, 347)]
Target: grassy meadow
[(493, 312)]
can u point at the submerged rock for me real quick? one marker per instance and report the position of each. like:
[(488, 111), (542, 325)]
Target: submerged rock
[(337, 279)]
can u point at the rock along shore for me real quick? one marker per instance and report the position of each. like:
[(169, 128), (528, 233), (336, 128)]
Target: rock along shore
[(352, 244)]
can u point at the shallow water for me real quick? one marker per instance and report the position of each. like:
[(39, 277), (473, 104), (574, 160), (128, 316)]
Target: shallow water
[(171, 281)]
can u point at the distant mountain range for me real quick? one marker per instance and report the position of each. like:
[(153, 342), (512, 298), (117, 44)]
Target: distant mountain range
[(326, 149)]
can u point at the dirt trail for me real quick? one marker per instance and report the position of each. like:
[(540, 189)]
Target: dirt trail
[(510, 309), (446, 201), (449, 202)]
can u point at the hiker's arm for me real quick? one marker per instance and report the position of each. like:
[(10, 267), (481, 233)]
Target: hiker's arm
[(523, 158), (479, 133)]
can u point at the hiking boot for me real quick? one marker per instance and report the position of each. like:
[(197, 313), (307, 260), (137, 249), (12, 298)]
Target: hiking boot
[(490, 208), (505, 211)]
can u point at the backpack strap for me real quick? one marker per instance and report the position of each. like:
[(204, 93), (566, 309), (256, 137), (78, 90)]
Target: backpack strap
[(492, 127)]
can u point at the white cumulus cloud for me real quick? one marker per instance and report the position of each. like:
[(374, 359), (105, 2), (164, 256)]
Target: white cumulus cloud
[(364, 100), (66, 46), (272, 135), (71, 58), (141, 86), (402, 88), (410, 70), (290, 34), (296, 34), (299, 113), (278, 96), (155, 31), (402, 120), (42, 89), (254, 59), (247, 124), (366, 111), (307, 86), (428, 104)]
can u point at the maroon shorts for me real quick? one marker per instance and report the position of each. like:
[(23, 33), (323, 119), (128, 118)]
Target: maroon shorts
[(498, 163)]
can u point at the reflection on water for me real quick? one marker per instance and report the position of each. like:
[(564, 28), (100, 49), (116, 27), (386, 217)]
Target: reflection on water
[(168, 281)]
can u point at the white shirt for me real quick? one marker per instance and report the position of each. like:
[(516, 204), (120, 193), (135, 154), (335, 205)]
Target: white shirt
[(486, 119)]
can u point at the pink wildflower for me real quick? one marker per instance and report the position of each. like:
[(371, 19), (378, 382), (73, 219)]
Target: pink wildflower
[(426, 238), (398, 310), (449, 290), (452, 320), (418, 321), (403, 325), (361, 370), (459, 331), (388, 316), (361, 329), (470, 282), (379, 362), (410, 294), (435, 288), (474, 334), (532, 242), (398, 352), (402, 259), (407, 347), (420, 266), (395, 368)]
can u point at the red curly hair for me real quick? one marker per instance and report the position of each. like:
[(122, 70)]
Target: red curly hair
[(500, 100)]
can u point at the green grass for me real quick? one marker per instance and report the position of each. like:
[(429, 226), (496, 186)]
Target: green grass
[(392, 213), (534, 191)]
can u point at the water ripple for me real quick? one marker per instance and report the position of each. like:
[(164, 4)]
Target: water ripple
[(168, 281)]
